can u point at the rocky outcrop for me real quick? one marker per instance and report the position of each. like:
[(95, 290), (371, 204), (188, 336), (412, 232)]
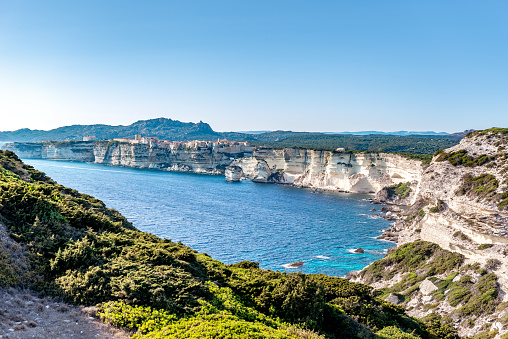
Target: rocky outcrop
[(233, 173), (349, 172), (461, 204), (205, 160), (464, 190)]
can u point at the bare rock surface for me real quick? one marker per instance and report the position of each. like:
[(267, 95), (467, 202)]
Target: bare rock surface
[(347, 172), (392, 298), (427, 287), (458, 206)]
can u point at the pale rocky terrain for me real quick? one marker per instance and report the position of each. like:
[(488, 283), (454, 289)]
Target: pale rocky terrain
[(342, 171), (204, 160), (463, 218)]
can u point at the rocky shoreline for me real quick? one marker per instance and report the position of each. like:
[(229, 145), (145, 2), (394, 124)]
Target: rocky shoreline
[(458, 206), (339, 170)]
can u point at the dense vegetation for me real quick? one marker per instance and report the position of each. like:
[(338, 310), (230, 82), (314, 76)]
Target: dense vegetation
[(400, 190), (483, 188), (461, 158), (78, 249), (490, 132), (371, 143)]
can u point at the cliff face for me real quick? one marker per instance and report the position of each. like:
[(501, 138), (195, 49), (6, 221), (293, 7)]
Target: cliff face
[(465, 189), (72, 151), (461, 204), (359, 173), (128, 155)]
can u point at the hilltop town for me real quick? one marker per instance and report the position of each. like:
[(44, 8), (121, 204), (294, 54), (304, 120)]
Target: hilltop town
[(220, 146)]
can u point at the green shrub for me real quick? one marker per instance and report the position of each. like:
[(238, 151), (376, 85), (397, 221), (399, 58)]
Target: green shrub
[(440, 207), (481, 187), (392, 332), (461, 158), (401, 190)]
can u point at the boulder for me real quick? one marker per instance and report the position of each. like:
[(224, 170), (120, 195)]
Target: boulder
[(296, 264), (427, 287), (359, 250), (392, 298)]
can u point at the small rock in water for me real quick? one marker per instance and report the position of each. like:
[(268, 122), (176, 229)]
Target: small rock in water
[(296, 264), (372, 209), (359, 250)]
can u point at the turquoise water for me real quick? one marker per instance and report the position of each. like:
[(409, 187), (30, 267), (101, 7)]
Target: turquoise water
[(271, 224)]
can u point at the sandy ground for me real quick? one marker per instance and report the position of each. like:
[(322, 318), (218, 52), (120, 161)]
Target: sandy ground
[(23, 314)]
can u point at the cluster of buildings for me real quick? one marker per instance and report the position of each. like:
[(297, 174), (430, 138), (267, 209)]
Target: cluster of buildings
[(221, 145)]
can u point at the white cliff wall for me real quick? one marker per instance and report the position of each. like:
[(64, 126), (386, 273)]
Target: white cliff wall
[(361, 172), (125, 154), (349, 172), (466, 219)]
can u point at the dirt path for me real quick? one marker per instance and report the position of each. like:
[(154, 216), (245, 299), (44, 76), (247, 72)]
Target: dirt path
[(23, 314)]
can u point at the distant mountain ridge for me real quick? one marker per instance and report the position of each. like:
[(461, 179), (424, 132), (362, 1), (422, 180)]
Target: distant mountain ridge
[(168, 129), (165, 128), (162, 128)]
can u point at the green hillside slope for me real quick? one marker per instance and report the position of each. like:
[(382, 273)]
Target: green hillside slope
[(76, 248)]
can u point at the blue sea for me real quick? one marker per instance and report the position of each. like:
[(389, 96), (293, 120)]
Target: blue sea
[(233, 221)]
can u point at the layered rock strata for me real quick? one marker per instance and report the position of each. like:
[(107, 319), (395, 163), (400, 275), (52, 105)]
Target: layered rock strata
[(343, 171), (461, 204), (198, 160)]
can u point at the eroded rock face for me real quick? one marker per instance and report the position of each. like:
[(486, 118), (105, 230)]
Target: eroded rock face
[(358, 173), (233, 173), (71, 151), (461, 202), (459, 205), (464, 188), (348, 172), (128, 155)]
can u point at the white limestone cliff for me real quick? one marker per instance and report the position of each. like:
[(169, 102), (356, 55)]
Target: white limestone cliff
[(128, 155), (462, 205), (349, 172)]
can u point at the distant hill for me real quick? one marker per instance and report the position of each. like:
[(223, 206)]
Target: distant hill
[(162, 128), (168, 129)]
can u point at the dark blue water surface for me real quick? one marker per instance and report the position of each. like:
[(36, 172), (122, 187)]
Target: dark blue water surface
[(271, 224)]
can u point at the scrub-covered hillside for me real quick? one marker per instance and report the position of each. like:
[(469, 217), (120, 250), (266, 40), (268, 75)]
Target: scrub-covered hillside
[(70, 245)]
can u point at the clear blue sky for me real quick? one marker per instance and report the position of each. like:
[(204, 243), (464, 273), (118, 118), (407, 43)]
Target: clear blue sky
[(256, 65)]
